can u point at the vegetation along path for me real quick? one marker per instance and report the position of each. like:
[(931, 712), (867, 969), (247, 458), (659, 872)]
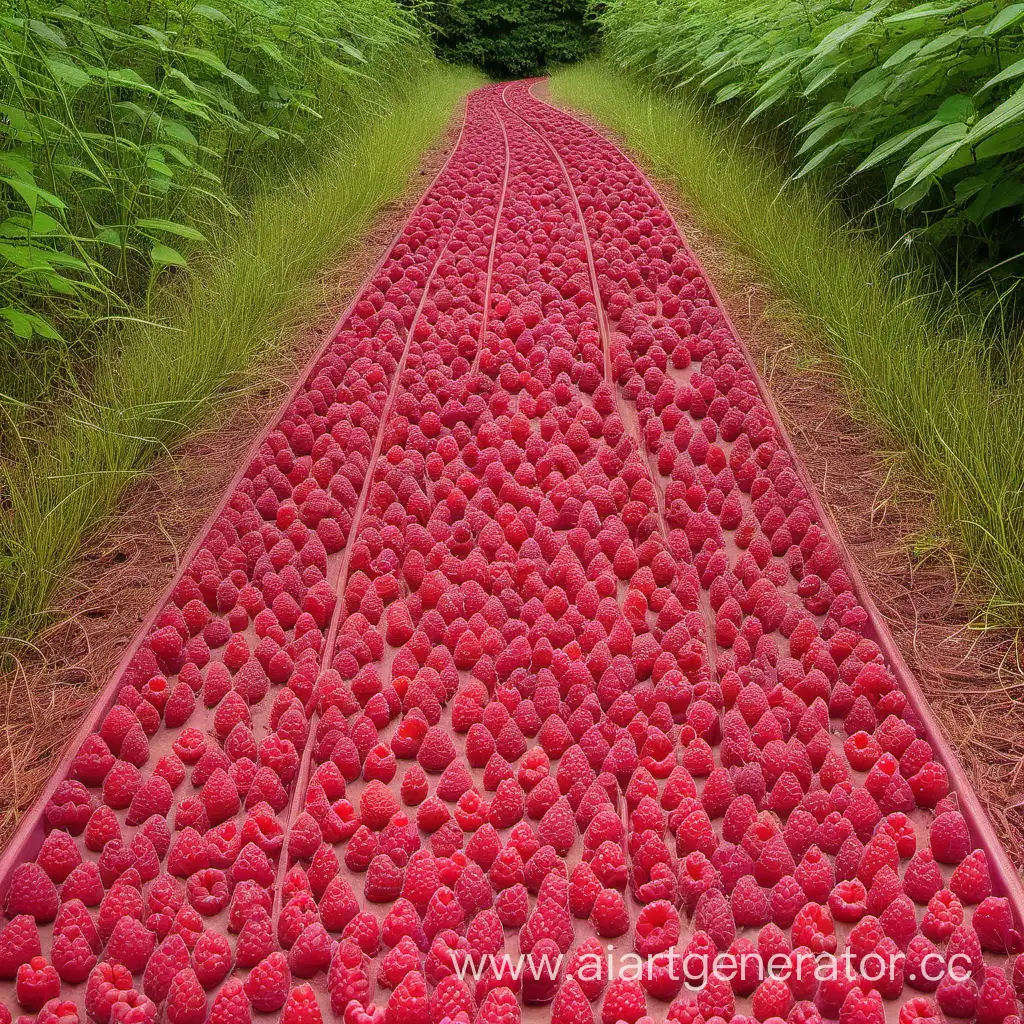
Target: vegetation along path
[(521, 630)]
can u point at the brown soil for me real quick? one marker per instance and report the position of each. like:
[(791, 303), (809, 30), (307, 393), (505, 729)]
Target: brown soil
[(972, 676), (127, 563)]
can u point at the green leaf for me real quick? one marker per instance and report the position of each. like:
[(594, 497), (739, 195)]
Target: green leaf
[(1006, 141), (31, 193), (1006, 18), (211, 13), (942, 42), (1015, 70), (70, 75), (164, 255), (1008, 112), (21, 323), (996, 197), (922, 12), (848, 29), (822, 155), (955, 108), (53, 36), (171, 227)]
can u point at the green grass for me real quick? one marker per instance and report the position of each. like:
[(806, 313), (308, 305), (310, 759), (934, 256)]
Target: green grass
[(921, 370), (126, 126), (152, 382)]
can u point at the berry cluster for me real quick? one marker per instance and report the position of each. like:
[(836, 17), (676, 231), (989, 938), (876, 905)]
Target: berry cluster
[(518, 634)]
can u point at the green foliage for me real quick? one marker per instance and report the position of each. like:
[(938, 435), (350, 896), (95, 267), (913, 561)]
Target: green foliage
[(924, 98), (916, 362), (127, 127), (513, 38), (209, 334)]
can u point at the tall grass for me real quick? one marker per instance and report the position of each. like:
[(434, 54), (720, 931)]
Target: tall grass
[(153, 380), (920, 372), (921, 101), (128, 126)]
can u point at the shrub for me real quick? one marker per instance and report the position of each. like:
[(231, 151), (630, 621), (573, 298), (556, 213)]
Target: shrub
[(512, 39)]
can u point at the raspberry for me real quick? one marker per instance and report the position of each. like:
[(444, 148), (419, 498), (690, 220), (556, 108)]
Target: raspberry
[(211, 958), (996, 1001), (624, 1001), (609, 916), (268, 983), (377, 805), (55, 1012), (19, 943), (186, 1000), (302, 1007), (231, 1005), (499, 1007), (862, 1008), (922, 878), (437, 750), (396, 964), (949, 838), (167, 961), (570, 1005), (31, 892), (970, 879), (408, 1003), (993, 921), (37, 982), (657, 928), (108, 984)]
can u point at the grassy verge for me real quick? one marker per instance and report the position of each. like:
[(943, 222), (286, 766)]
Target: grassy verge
[(152, 381), (921, 370)]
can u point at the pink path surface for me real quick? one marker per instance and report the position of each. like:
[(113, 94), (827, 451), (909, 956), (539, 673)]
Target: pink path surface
[(521, 631)]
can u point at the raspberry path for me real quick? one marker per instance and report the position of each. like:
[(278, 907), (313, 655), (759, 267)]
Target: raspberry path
[(520, 632)]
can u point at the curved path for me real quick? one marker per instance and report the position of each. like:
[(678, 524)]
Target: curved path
[(520, 631)]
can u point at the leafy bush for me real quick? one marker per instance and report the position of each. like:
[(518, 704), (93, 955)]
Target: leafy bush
[(924, 96), (126, 126), (512, 38)]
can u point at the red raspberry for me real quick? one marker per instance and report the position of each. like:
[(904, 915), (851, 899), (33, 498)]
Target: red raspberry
[(377, 805), (609, 916), (167, 961), (949, 838), (31, 892), (408, 1003), (922, 878), (862, 1008), (211, 958), (302, 1007), (186, 1000), (54, 1012), (624, 1001), (993, 921), (231, 1005), (19, 943), (37, 983), (970, 879), (499, 1007), (268, 983), (437, 750)]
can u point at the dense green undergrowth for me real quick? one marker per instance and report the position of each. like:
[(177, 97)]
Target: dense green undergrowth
[(129, 128), (916, 106), (921, 369), (208, 334), (510, 40)]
